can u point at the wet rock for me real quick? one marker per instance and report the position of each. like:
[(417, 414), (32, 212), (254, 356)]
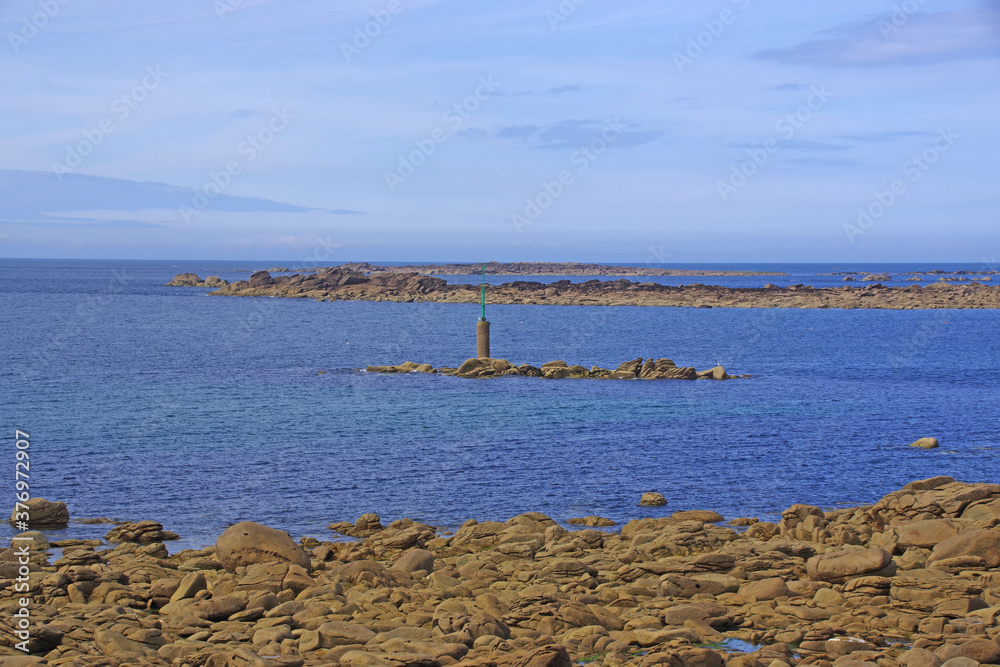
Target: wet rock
[(652, 499), (925, 443)]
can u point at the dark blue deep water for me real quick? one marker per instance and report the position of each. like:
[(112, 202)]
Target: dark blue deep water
[(150, 402)]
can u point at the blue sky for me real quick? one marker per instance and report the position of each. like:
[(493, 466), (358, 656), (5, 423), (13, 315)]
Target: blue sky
[(584, 130)]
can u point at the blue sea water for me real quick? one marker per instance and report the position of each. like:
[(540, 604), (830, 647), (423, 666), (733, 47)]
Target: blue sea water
[(152, 402)]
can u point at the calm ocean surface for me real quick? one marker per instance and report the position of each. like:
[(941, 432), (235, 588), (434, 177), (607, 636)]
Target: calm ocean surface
[(151, 402)]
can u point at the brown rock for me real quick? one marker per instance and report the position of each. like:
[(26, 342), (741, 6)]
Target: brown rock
[(928, 484), (185, 280), (839, 566), (919, 657), (592, 521), (190, 585), (553, 655), (984, 544), (115, 644), (926, 534), (652, 499), (412, 560), (43, 513), (260, 279), (705, 516), (765, 589), (247, 543), (142, 532), (985, 651), (925, 443), (961, 661)]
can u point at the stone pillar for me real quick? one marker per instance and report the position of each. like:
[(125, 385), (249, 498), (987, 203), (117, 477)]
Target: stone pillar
[(482, 339)]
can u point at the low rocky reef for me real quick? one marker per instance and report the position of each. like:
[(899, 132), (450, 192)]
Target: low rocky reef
[(482, 367), (547, 269), (913, 580), (343, 283), (192, 280)]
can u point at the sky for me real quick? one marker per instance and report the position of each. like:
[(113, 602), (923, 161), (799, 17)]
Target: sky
[(446, 130)]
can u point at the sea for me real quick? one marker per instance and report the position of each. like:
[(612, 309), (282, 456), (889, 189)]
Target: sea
[(149, 402)]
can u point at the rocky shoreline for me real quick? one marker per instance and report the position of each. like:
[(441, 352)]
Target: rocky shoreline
[(482, 367), (912, 580), (339, 283)]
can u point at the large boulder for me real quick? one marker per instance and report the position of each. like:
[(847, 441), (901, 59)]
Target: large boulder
[(984, 544), (839, 566), (247, 543), (414, 560), (42, 513), (927, 533)]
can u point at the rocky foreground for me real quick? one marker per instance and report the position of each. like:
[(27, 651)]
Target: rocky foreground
[(340, 283), (912, 580), (649, 369)]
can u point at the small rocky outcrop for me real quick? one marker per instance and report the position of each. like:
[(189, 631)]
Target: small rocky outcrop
[(142, 532), (42, 513), (192, 280), (925, 443), (652, 499), (481, 367)]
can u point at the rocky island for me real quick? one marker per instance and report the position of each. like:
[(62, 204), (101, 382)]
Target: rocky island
[(912, 580), (344, 283), (546, 269), (650, 369)]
